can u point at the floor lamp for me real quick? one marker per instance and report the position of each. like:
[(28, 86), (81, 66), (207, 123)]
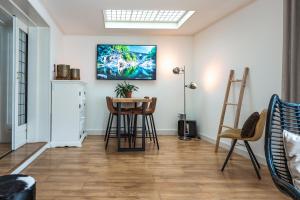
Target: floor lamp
[(191, 85)]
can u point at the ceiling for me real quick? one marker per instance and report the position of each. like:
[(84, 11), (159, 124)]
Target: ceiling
[(23, 10), (84, 17)]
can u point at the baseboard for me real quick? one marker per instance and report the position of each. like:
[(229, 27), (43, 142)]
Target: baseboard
[(238, 149), (25, 164), (65, 144), (77, 143), (159, 132)]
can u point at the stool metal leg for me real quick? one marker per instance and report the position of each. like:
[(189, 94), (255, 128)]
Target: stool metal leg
[(106, 132), (148, 132), (257, 163), (124, 124), (109, 130), (154, 130), (119, 125), (253, 161), (229, 154), (128, 129), (134, 130)]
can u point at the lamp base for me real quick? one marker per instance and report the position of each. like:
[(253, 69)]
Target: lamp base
[(184, 138)]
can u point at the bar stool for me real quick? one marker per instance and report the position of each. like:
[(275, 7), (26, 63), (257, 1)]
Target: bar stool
[(150, 109), (139, 108), (113, 112)]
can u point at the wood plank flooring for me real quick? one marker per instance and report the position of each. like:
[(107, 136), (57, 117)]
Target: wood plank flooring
[(5, 148), (183, 170), (12, 160)]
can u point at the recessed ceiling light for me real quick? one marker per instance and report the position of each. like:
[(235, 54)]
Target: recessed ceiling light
[(146, 19)]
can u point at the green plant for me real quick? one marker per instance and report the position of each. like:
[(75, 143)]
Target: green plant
[(123, 89)]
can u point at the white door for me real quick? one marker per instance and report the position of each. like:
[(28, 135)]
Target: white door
[(20, 83)]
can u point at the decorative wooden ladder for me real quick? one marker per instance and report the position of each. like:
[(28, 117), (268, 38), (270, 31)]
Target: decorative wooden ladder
[(226, 103)]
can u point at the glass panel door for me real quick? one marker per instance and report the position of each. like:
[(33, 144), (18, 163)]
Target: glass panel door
[(22, 78), (20, 83)]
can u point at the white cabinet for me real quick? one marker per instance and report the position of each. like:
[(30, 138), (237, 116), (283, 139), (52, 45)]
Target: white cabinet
[(68, 113)]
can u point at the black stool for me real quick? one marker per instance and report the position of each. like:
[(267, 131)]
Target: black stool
[(113, 112), (150, 127), (17, 187)]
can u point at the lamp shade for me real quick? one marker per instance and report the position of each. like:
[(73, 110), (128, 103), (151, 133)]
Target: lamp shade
[(176, 70), (192, 85)]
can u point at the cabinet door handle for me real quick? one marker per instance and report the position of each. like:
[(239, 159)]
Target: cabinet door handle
[(79, 105), (19, 75)]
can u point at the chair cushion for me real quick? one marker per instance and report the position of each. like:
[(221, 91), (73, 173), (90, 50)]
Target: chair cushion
[(231, 133), (248, 129), (291, 143)]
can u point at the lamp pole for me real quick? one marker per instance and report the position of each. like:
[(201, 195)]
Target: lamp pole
[(184, 87), (184, 107), (192, 85)]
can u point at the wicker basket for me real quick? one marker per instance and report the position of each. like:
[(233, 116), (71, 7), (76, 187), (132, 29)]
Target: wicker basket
[(75, 74), (63, 72)]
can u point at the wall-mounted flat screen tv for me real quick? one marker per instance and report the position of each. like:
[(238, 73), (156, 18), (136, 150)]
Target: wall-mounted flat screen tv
[(126, 62)]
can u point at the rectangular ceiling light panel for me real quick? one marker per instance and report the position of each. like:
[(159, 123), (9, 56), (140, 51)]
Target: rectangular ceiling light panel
[(147, 19)]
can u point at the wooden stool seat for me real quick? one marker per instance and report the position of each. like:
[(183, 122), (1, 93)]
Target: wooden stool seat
[(139, 111)]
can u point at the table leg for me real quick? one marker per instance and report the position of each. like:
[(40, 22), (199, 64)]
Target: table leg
[(134, 129), (129, 131), (119, 125)]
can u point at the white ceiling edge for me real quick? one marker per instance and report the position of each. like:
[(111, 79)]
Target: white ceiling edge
[(150, 32), (224, 17), (185, 18), (24, 11)]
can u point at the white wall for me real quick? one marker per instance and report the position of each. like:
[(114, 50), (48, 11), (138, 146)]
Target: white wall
[(5, 82), (250, 37), (56, 36), (80, 52), (49, 48), (38, 126)]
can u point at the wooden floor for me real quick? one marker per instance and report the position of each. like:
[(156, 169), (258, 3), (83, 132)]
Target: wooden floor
[(12, 160), (4, 149), (184, 170)]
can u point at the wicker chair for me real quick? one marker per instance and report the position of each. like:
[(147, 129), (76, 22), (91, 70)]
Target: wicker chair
[(281, 116)]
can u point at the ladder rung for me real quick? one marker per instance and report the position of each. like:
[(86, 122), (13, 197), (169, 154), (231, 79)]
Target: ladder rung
[(237, 80), (224, 126), (231, 104)]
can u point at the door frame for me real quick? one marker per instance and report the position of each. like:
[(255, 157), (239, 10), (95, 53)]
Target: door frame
[(17, 138)]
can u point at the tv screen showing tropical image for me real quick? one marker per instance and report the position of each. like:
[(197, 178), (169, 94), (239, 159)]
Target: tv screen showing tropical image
[(126, 62)]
